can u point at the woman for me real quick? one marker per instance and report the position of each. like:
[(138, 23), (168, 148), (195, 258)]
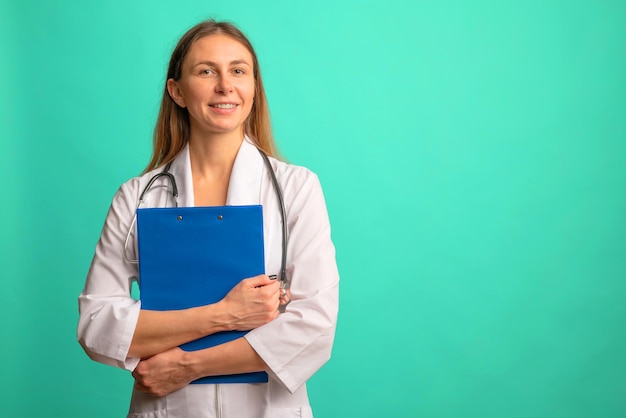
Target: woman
[(212, 123)]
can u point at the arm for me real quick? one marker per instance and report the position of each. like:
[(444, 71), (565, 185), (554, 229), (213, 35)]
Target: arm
[(299, 341), (250, 304), (108, 313), (175, 368)]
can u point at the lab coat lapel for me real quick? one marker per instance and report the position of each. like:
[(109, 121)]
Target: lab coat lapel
[(181, 169), (245, 180)]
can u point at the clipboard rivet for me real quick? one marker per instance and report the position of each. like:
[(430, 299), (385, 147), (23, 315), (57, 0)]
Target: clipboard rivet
[(180, 217), (220, 217)]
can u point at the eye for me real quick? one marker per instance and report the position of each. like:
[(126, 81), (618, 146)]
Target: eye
[(239, 71), (206, 71)]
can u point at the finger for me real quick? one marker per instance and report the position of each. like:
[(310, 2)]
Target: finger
[(270, 287), (272, 291), (258, 281)]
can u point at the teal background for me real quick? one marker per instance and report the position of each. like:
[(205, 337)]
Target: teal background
[(473, 158)]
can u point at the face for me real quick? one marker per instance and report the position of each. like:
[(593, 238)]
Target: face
[(216, 86)]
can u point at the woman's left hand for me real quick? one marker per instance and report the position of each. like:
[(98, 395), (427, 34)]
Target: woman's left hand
[(163, 373)]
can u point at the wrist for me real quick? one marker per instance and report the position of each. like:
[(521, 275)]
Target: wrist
[(192, 365), (222, 318), (198, 363)]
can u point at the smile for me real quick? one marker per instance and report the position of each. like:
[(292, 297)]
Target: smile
[(224, 105)]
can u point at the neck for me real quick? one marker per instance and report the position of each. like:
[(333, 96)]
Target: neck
[(213, 155), (212, 159)]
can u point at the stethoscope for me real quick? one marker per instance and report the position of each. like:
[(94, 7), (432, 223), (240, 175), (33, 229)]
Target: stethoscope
[(284, 284)]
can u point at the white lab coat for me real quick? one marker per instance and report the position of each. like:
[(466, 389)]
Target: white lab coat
[(294, 345)]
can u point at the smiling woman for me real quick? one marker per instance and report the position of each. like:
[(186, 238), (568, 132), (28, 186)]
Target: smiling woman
[(212, 124)]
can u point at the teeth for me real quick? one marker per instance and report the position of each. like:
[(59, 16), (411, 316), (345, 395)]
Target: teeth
[(224, 105)]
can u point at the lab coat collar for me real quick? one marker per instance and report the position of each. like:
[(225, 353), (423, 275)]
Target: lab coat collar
[(245, 179), (244, 187)]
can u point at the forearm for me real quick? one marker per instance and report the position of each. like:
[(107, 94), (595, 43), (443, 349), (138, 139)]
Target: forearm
[(234, 357), (158, 331), (252, 303), (175, 368)]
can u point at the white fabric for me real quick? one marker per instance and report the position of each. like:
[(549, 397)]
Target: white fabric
[(295, 345)]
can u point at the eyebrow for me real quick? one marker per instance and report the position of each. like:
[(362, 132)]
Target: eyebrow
[(233, 62)]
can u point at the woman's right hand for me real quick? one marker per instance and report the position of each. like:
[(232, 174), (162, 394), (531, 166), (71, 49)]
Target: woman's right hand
[(251, 303)]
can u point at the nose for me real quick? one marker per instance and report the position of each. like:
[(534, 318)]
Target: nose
[(223, 85)]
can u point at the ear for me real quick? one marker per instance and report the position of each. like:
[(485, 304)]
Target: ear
[(175, 93)]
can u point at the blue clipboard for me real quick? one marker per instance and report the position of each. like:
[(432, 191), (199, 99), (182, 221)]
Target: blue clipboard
[(194, 256)]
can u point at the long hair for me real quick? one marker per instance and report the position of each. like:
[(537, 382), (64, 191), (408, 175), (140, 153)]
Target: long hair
[(172, 129)]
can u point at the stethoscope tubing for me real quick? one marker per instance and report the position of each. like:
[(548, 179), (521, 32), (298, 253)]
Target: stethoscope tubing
[(279, 195)]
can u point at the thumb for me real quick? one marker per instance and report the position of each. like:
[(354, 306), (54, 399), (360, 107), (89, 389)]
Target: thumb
[(260, 280)]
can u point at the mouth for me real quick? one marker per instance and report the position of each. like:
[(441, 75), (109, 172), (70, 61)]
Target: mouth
[(223, 105)]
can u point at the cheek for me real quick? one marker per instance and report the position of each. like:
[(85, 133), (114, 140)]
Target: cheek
[(195, 90), (250, 92), (192, 95)]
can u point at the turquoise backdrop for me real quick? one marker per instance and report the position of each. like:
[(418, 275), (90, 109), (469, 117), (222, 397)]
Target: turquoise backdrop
[(473, 157)]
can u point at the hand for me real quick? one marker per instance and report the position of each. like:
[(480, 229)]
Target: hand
[(163, 373), (251, 303)]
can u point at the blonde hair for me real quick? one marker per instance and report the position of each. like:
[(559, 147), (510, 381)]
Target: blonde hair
[(172, 130)]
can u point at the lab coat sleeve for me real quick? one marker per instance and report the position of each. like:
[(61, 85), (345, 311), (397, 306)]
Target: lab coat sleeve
[(108, 313), (299, 341)]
